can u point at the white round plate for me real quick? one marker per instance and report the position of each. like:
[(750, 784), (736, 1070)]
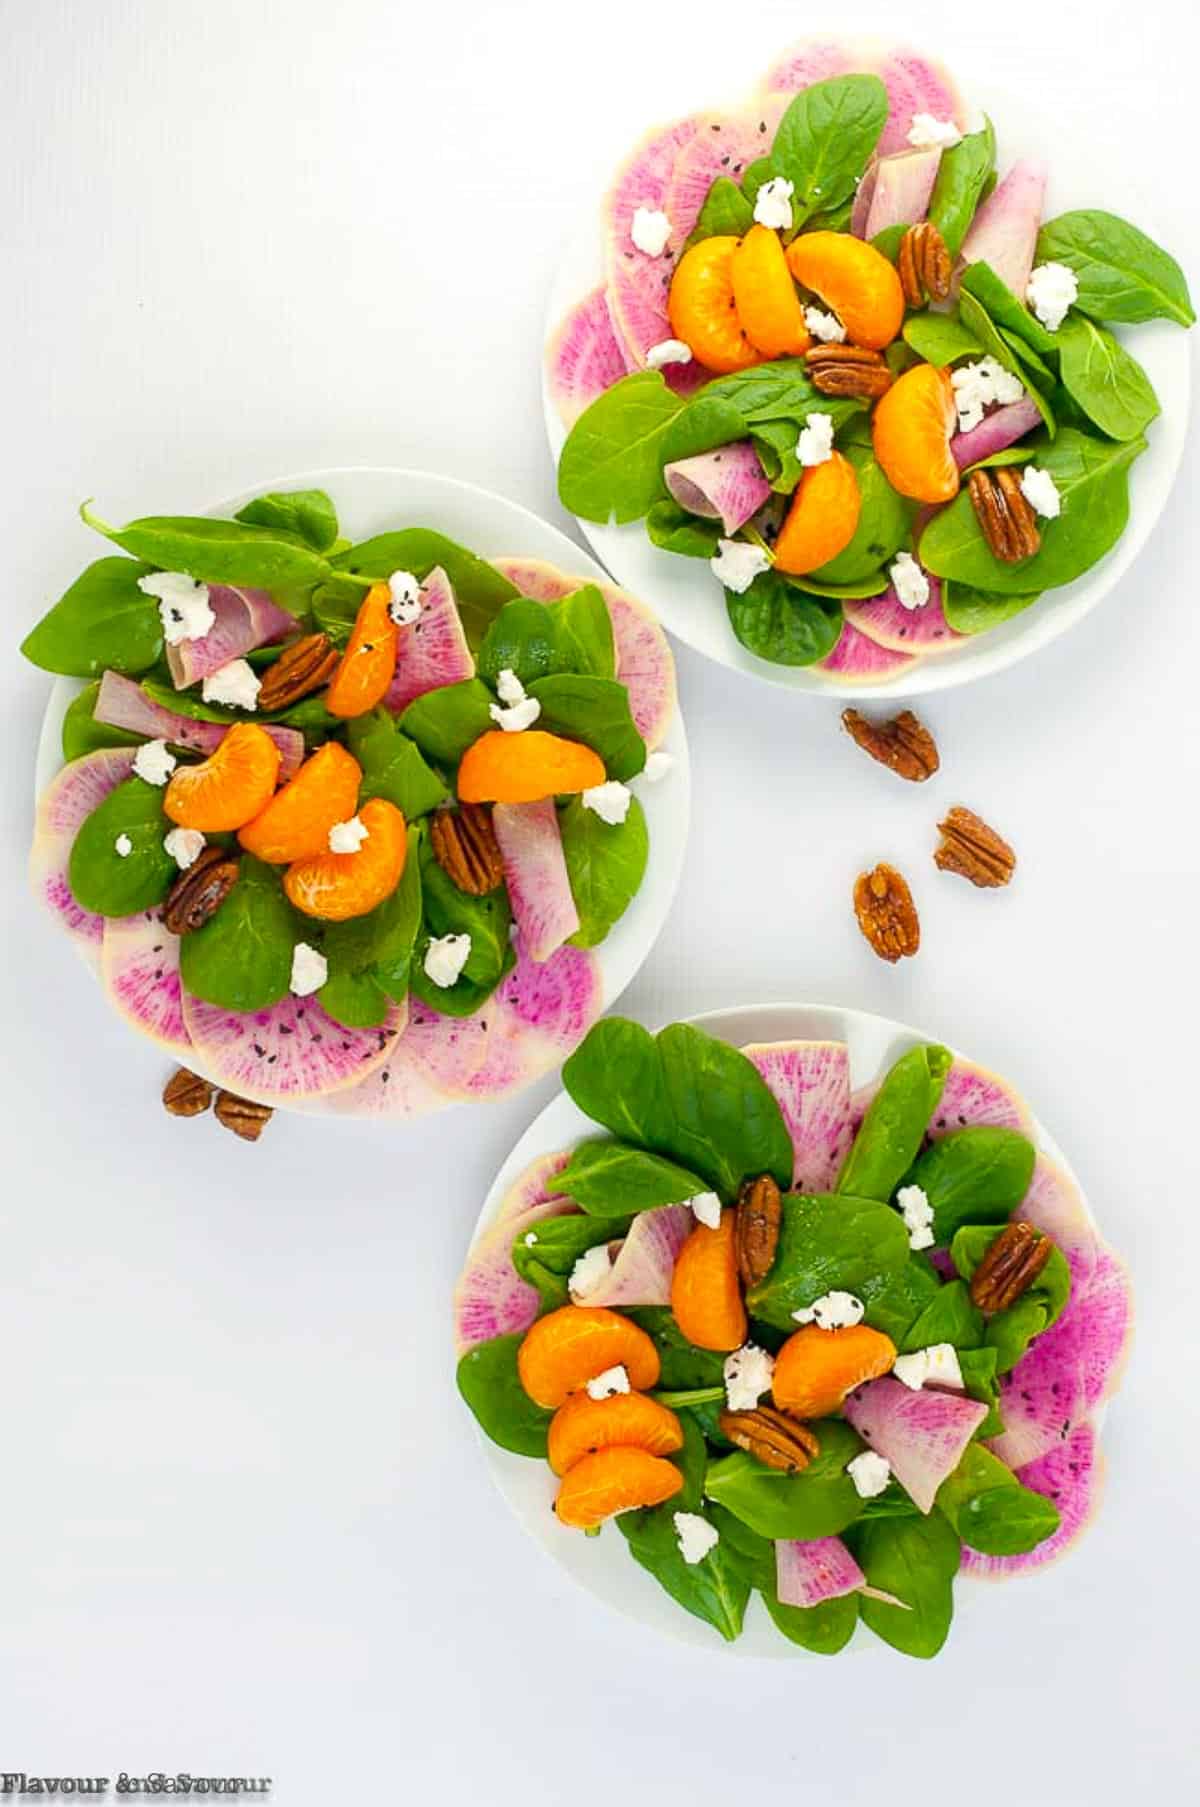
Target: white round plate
[(603, 1564), (687, 598), (374, 500)]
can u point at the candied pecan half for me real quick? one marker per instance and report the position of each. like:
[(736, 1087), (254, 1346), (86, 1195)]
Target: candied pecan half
[(973, 850), (186, 1094), (886, 913), (904, 744), (301, 668), (848, 370), (245, 1118), (465, 847), (771, 1437), (1008, 521), (198, 893), (924, 265), (757, 1221), (1010, 1267)]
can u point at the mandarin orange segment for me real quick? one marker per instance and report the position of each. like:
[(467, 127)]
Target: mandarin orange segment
[(768, 308), (855, 280), (701, 307), (582, 1425), (614, 1480), (911, 431), (336, 886), (230, 787), (706, 1296), (822, 518), (525, 767), (296, 822), (369, 661), (816, 1368), (570, 1346)]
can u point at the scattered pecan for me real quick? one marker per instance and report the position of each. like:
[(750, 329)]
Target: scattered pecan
[(301, 668), (886, 913), (245, 1118), (1009, 1268), (924, 265), (973, 850), (464, 846), (904, 744), (1008, 521), (848, 370), (198, 893), (757, 1222), (186, 1094), (771, 1437)]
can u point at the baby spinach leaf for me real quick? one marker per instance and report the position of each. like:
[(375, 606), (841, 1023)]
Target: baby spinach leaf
[(488, 1381), (1033, 368), (308, 513), (242, 958), (354, 999), (584, 634), (885, 523), (872, 585), (707, 422), (958, 190), (979, 1368), (940, 338), (825, 1629), (1006, 310), (825, 139), (725, 211), (675, 530), (685, 1368), (602, 1175), (975, 1175), (393, 766), (615, 1078), (595, 711), (520, 639), (606, 863), (894, 1127), (217, 552), (775, 620), (899, 1303), (820, 1501), (445, 722), (827, 1242), (611, 464), (1105, 380), (979, 322), (714, 1589), (370, 957), (1122, 274), (545, 1254), (916, 1559), (82, 733), (950, 1317), (888, 242), (976, 611), (761, 170), (449, 911), (1011, 1331), (103, 880), (102, 623), (991, 1510), (480, 591)]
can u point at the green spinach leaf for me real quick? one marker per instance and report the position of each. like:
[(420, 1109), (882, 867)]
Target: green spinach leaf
[(776, 620), (449, 911), (885, 523), (611, 464), (1006, 310), (596, 712), (584, 633), (217, 552), (604, 1177), (820, 1501), (825, 140), (480, 591), (606, 863), (488, 1381), (393, 766), (825, 1629), (242, 958), (82, 733), (962, 174), (940, 338), (725, 212), (545, 1254), (1122, 274), (308, 513), (102, 623), (894, 1126), (112, 884), (916, 1559), (445, 722), (990, 1509), (975, 1175), (951, 1316), (714, 1589), (827, 1242), (675, 530), (976, 611), (1104, 379)]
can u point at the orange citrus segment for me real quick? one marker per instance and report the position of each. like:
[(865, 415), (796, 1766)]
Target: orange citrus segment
[(768, 308), (369, 661), (816, 1368), (911, 431), (855, 280), (706, 1297), (570, 1346), (335, 886), (526, 766), (822, 518), (296, 822), (582, 1425), (614, 1480), (230, 787), (701, 307)]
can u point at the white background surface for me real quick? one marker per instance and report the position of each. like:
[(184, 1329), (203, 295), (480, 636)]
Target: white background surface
[(245, 1526)]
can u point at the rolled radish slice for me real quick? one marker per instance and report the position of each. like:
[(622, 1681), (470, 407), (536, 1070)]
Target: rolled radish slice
[(1004, 231), (644, 1261), (123, 704), (432, 650), (995, 432), (535, 871), (922, 1433), (245, 619), (901, 189), (726, 485), (808, 1573)]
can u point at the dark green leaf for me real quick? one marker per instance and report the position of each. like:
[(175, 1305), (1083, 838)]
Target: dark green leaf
[(82, 733), (1006, 310), (714, 1589), (102, 623), (449, 911), (606, 1177), (829, 1242), (885, 523), (479, 589), (940, 338), (308, 513), (825, 1629), (894, 1126), (975, 611), (393, 767), (675, 530), (242, 958), (1122, 274), (596, 712), (962, 174), (545, 1254), (445, 722), (520, 639), (776, 621), (488, 1381), (103, 880), (611, 464), (1104, 379), (991, 1510), (217, 552), (725, 212), (949, 1317), (825, 139), (975, 1175), (606, 863), (584, 634), (820, 1501), (916, 1559)]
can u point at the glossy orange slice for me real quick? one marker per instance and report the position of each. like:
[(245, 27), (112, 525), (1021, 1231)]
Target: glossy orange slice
[(769, 310), (230, 787), (701, 307), (822, 518), (296, 822), (855, 280), (911, 431), (336, 886), (369, 661)]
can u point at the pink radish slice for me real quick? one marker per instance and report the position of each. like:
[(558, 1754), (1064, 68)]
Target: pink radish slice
[(139, 964), (245, 619), (1055, 1206), (433, 650), (901, 189), (1107, 1309), (810, 1572), (860, 213), (123, 704), (583, 358), (922, 1434), (973, 1095), (446, 1050), (995, 432), (1004, 231), (637, 283), (535, 1186), (726, 485), (491, 1299), (1070, 1476), (288, 1052), (1043, 1398), (885, 620), (915, 84), (723, 145), (644, 1261), (536, 1016), (857, 659), (535, 871), (62, 809), (810, 1081)]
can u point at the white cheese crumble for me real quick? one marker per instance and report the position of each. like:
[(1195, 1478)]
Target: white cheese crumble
[(1050, 291), (977, 386), (747, 1375), (827, 329), (706, 1209), (236, 684), (870, 1473), (1041, 492), (668, 351), (773, 204), (445, 958), (737, 563), (694, 1535), (509, 687), (917, 1213), (518, 715), (650, 230), (530, 1239), (185, 845), (607, 1385), (310, 969), (183, 606), (657, 766), (815, 444), (405, 592), (927, 133), (936, 1366), (154, 762), (590, 1271), (348, 836), (909, 581), (832, 1311), (123, 846), (609, 801)]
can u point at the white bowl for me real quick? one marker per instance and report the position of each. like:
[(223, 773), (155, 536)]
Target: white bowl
[(603, 1564), (373, 500)]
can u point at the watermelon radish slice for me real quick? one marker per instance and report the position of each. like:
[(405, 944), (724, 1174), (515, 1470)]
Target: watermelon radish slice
[(1044, 1397), (901, 189), (288, 1052), (398, 1089), (915, 84), (245, 619), (726, 485), (491, 1299), (1004, 231), (995, 432), (885, 620), (62, 808), (123, 704), (808, 1573), (535, 1017), (860, 213), (583, 358), (139, 964), (638, 284), (1055, 1206), (644, 1261), (535, 871), (814, 60), (723, 145), (972, 1095), (533, 1187), (1107, 1310), (1071, 1476), (922, 1434), (433, 650), (810, 1082), (446, 1051), (858, 660)]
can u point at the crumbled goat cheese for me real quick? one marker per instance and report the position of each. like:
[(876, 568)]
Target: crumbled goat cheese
[(185, 845), (590, 1271), (815, 444), (405, 591), (832, 1311), (445, 958), (668, 351), (927, 133), (773, 204), (650, 231), (236, 684), (737, 563), (1041, 492), (706, 1209), (509, 687), (827, 329), (123, 846), (909, 581), (608, 1384), (310, 969), (348, 836), (530, 1239), (977, 386), (870, 1473), (154, 762), (937, 1366), (1050, 291), (747, 1375), (657, 766), (917, 1213), (517, 716), (694, 1535), (609, 801), (183, 605)]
